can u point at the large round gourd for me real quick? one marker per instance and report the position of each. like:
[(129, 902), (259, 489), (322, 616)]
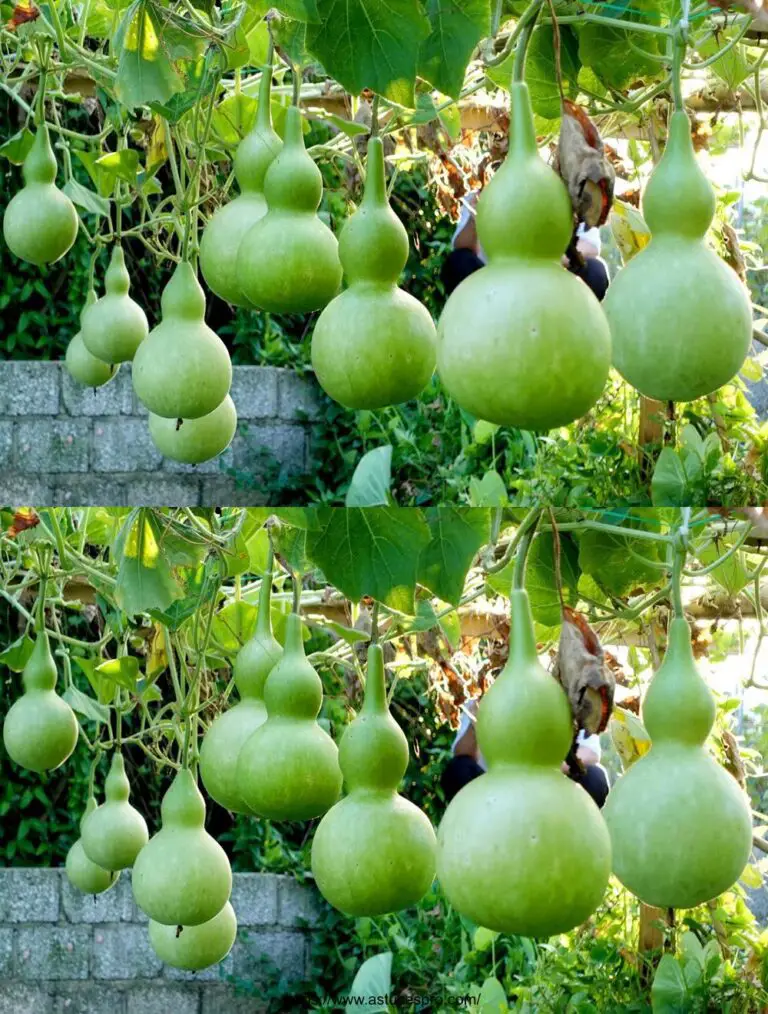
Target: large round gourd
[(229, 732), (82, 365), (182, 876), (115, 832), (523, 342), (288, 768), (374, 851), (195, 947), (40, 223), (195, 440), (522, 849), (680, 824), (115, 326), (82, 873), (680, 317), (373, 345)]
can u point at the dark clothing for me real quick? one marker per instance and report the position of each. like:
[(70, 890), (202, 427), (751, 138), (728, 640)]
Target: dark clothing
[(459, 264)]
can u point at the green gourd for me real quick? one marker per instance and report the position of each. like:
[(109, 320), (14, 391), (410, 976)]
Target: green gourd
[(680, 317), (522, 849), (182, 877), (222, 235), (40, 730), (373, 345), (195, 947), (82, 873), (40, 223), (373, 852), (523, 342), (115, 326), (114, 833), (82, 366), (680, 824), (195, 440), (229, 732), (288, 768), (182, 370), (288, 262)]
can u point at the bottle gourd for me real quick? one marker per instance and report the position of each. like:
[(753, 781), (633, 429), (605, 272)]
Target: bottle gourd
[(288, 262), (373, 345), (523, 342), (374, 851), (82, 873), (229, 732), (679, 822), (40, 223), (81, 365), (195, 947), (680, 317), (522, 849), (182, 369), (288, 768), (115, 832), (115, 326), (182, 877), (40, 730), (225, 230), (195, 440)]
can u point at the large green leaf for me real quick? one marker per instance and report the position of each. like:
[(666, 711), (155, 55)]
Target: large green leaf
[(371, 479), (144, 579), (456, 28), (607, 51), (733, 575), (732, 67), (617, 564), (540, 577), (540, 69), (144, 71), (457, 534), (669, 994), (299, 10), (370, 44), (371, 551)]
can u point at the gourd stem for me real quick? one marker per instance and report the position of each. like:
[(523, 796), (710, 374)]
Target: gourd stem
[(296, 592), (296, 84), (294, 641), (530, 16), (40, 618), (264, 112), (678, 56), (522, 640), (525, 534), (375, 116), (375, 623), (678, 561), (265, 594)]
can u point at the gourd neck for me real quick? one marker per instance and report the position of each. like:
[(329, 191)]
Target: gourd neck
[(522, 639), (375, 702), (264, 613), (90, 806), (375, 180), (522, 135), (117, 281), (40, 163), (264, 111), (183, 297), (679, 199), (679, 706), (183, 804), (40, 671), (293, 688), (294, 637), (117, 788)]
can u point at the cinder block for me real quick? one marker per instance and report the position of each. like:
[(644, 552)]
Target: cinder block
[(29, 895), (53, 445), (90, 490), (18, 490), (6, 444), (124, 952), (254, 391), (259, 447), (87, 998), (215, 973), (114, 398), (257, 953), (224, 1000), (164, 492), (53, 952), (6, 952), (225, 491), (300, 397), (123, 445), (254, 898), (114, 905), (298, 904), (29, 388), (23, 998), (157, 999)]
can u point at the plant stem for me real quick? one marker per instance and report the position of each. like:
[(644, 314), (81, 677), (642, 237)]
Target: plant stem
[(518, 67), (528, 527)]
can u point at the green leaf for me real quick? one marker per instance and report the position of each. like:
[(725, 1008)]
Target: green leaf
[(668, 992), (617, 563), (490, 491), (371, 551), (16, 655), (371, 479), (144, 71), (732, 67), (540, 69), (122, 164), (357, 43), (540, 577), (732, 575), (607, 51), (457, 534), (291, 36), (233, 118), (144, 579), (348, 127), (299, 10), (492, 999), (669, 485), (102, 687), (123, 671), (85, 705), (16, 148), (233, 625), (374, 978), (456, 28), (291, 545), (86, 198), (483, 938)]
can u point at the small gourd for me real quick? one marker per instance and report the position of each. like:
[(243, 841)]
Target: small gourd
[(40, 223), (82, 366), (115, 326), (182, 370), (195, 947), (229, 732), (374, 851), (523, 849), (523, 342), (288, 768), (115, 832), (195, 440), (288, 262), (222, 235), (680, 823), (680, 316), (374, 344), (182, 877), (40, 730), (82, 873)]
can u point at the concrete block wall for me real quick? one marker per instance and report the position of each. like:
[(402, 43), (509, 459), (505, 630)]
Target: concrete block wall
[(62, 952), (64, 444)]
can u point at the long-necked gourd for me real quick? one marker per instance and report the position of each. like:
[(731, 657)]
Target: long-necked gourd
[(182, 370), (115, 832), (82, 872), (115, 326), (229, 732), (680, 824), (182, 876), (374, 851), (523, 342), (680, 317), (40, 730), (195, 440), (288, 768), (195, 947), (222, 235), (288, 262), (40, 223), (81, 365), (374, 344), (523, 849)]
